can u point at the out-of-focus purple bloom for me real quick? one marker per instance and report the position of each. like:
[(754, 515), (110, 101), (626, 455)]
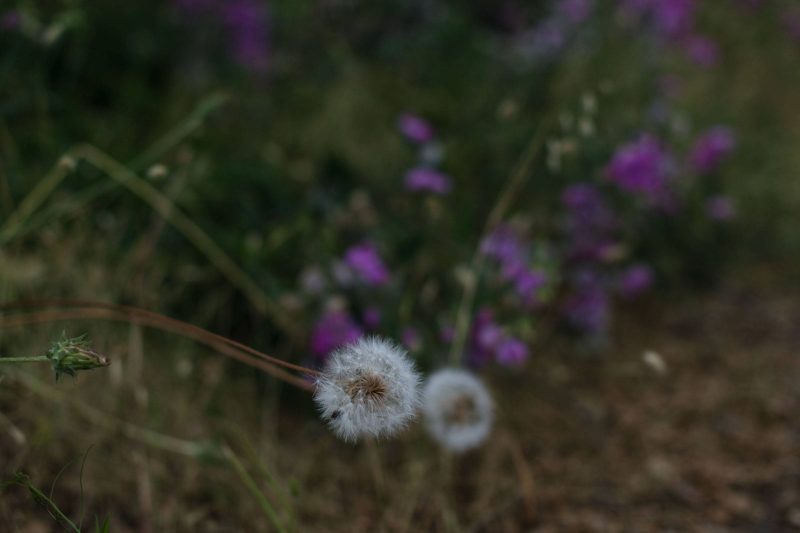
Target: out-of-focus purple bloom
[(333, 330), (247, 24), (720, 208), (701, 50), (410, 338), (428, 179), (488, 335), (587, 208), (10, 20), (711, 148), (791, 21), (527, 283), (503, 245), (485, 336), (364, 260), (371, 317), (575, 11), (640, 167), (671, 18), (415, 128), (587, 308), (512, 352), (543, 41), (635, 280), (589, 224)]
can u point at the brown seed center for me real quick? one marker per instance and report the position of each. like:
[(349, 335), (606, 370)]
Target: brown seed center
[(462, 411), (367, 386)]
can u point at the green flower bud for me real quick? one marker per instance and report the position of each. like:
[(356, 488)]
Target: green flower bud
[(69, 356)]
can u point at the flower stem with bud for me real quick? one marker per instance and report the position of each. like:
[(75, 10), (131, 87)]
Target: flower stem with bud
[(67, 356)]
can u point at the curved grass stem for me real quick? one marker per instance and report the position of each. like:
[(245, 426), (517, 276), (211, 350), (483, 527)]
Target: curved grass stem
[(235, 350)]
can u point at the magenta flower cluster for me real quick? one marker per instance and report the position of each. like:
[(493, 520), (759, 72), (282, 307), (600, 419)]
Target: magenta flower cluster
[(424, 177), (674, 22), (246, 24), (512, 255), (490, 342)]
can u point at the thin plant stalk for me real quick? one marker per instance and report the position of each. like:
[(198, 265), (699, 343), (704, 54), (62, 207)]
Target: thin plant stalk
[(252, 486), (101, 314), (33, 359), (196, 331)]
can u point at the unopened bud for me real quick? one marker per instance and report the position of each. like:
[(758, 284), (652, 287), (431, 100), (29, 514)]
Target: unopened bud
[(69, 356)]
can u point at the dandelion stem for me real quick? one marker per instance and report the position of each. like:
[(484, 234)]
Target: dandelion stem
[(34, 359)]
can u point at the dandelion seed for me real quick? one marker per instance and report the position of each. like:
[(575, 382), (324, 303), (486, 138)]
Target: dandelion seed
[(368, 388), (457, 408)]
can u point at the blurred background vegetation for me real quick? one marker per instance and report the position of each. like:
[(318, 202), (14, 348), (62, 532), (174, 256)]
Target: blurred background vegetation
[(216, 162)]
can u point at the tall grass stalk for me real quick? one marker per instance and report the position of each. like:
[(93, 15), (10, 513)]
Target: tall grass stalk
[(511, 190), (252, 487)]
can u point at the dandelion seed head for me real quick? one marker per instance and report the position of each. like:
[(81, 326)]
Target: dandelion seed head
[(457, 408), (368, 388)]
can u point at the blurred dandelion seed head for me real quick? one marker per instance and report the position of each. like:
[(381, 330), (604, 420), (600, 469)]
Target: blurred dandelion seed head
[(458, 409)]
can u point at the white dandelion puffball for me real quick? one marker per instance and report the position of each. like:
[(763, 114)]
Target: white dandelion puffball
[(457, 408), (369, 387)]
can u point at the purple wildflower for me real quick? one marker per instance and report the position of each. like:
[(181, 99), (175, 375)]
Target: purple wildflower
[(701, 50), (503, 245), (512, 352), (673, 17), (574, 11), (587, 208), (247, 24), (635, 280), (527, 284), (10, 20), (791, 21), (333, 330), (640, 167), (720, 208), (587, 308), (670, 18), (543, 41), (427, 179), (364, 260), (415, 128), (589, 224), (484, 337), (711, 148)]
